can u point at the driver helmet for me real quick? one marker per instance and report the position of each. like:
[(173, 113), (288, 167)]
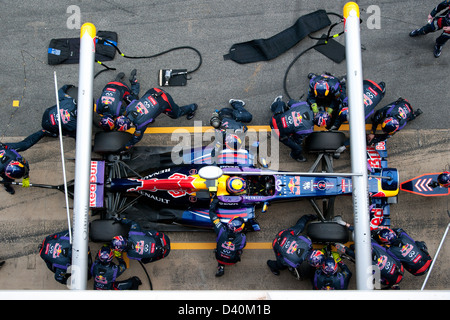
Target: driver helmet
[(105, 254), (329, 266), (387, 236), (233, 142), (390, 125), (107, 123), (444, 179), (316, 258), (236, 185), (322, 119), (118, 243), (123, 123), (236, 224), (16, 169), (321, 89)]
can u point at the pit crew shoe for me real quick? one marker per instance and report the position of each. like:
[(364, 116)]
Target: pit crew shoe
[(277, 99), (415, 33), (272, 267), (191, 114), (119, 76), (220, 271), (437, 51), (133, 78), (233, 101)]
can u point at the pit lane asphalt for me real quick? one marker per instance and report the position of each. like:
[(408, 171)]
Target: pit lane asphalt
[(146, 27)]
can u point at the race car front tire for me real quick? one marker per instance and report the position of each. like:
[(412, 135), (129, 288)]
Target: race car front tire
[(324, 141), (327, 232)]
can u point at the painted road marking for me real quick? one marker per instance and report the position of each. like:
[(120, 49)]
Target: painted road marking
[(159, 130), (15, 103), (212, 245)]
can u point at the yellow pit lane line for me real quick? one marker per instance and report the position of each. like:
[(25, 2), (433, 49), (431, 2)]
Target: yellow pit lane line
[(159, 130), (212, 245), (249, 245)]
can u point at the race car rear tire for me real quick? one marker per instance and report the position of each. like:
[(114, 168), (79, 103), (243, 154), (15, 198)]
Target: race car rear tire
[(103, 230), (110, 142), (327, 232), (324, 141)]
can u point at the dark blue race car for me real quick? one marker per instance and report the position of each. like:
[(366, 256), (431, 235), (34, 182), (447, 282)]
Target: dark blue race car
[(149, 187)]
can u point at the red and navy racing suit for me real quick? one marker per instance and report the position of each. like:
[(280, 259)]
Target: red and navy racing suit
[(10, 152), (105, 275), (229, 244), (391, 269), (115, 97), (373, 93), (332, 101), (290, 247), (145, 245), (292, 124), (68, 114), (56, 251), (439, 22), (412, 254), (144, 111), (337, 281), (400, 110)]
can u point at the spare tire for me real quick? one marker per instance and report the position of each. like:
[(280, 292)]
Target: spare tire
[(327, 232)]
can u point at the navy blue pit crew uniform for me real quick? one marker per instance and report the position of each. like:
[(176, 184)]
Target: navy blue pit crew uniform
[(144, 111), (292, 123)]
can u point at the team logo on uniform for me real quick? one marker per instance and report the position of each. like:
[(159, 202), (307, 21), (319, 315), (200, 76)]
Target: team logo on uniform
[(402, 113), (406, 249)]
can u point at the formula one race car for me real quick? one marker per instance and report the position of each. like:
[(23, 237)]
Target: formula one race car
[(150, 187)]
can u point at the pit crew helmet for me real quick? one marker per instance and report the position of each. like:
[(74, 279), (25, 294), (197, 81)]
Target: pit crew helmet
[(329, 266), (390, 125), (16, 169), (118, 243), (107, 123), (316, 258), (321, 89), (322, 119), (236, 224), (343, 114), (122, 123), (387, 236), (105, 254), (444, 179), (236, 185)]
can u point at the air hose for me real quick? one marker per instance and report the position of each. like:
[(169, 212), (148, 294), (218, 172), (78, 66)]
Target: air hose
[(152, 56)]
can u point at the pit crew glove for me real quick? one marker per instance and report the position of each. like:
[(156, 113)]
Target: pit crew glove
[(26, 182)]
